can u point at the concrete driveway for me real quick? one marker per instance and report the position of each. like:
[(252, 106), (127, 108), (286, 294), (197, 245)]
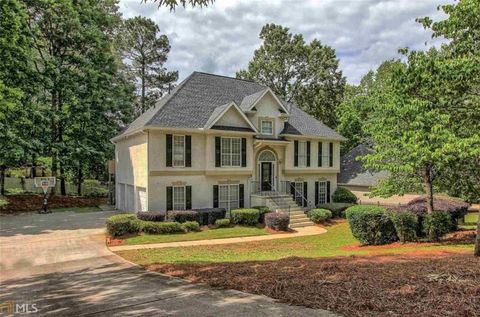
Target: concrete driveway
[(58, 265)]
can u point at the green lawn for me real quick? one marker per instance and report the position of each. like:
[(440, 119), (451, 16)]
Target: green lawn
[(470, 221), (78, 209), (202, 235), (324, 245)]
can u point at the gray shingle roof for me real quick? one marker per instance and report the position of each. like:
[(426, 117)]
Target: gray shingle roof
[(352, 171), (200, 97)]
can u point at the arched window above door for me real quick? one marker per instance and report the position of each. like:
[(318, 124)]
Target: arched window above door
[(266, 156)]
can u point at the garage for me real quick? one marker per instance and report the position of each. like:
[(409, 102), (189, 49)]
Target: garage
[(129, 198)]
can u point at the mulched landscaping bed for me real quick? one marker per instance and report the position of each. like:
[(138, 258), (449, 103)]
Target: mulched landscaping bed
[(22, 203), (441, 284)]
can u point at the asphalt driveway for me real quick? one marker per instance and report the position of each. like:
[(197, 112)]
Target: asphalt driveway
[(58, 264)]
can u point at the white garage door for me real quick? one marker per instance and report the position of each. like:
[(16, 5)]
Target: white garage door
[(141, 199), (129, 198), (120, 196)]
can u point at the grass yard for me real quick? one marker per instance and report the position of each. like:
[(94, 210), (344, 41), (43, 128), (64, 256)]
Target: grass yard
[(219, 233), (78, 209), (470, 221), (338, 241)]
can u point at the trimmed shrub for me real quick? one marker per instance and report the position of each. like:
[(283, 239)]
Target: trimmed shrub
[(319, 215), (222, 223), (263, 210), (405, 224), (245, 216), (337, 209), (183, 216), (154, 227), (191, 226), (455, 207), (208, 216), (277, 220), (343, 195), (371, 225), (151, 216), (118, 225), (437, 224)]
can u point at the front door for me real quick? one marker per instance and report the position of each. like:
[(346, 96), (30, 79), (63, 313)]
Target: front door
[(267, 176)]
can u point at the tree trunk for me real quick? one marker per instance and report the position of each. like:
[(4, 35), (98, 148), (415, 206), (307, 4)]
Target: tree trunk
[(143, 88), (427, 182), (477, 241), (2, 179), (79, 179), (34, 166), (54, 171)]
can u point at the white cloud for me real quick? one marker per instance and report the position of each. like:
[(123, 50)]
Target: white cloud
[(222, 37)]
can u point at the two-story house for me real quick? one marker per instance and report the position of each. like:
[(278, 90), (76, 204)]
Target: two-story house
[(217, 141)]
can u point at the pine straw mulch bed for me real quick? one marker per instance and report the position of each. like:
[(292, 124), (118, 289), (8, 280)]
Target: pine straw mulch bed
[(22, 203), (440, 284)]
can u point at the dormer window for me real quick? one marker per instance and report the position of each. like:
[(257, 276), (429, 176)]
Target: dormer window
[(266, 127)]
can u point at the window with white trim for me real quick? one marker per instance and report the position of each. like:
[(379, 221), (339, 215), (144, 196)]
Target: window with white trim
[(322, 192), (302, 153), (178, 197), (231, 152), (266, 127), (178, 151), (228, 196)]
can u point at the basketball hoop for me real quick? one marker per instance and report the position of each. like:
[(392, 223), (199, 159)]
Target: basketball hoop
[(44, 183)]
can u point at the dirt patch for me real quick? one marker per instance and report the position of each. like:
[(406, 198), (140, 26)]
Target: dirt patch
[(386, 285), (22, 203)]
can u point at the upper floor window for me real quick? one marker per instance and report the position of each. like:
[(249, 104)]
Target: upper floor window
[(302, 153), (231, 152), (266, 127), (179, 150)]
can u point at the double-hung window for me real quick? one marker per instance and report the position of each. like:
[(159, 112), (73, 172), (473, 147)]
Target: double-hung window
[(228, 196), (302, 153), (178, 151), (322, 192), (178, 197), (266, 127), (231, 152)]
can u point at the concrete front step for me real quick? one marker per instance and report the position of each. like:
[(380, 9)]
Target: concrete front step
[(299, 220), (301, 224)]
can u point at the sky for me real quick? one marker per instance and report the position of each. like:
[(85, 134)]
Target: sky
[(222, 37)]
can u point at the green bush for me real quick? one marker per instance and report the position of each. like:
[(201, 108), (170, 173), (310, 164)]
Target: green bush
[(343, 195), (191, 226), (183, 216), (371, 225), (245, 216), (436, 224), (222, 223), (337, 209), (263, 210), (319, 215), (119, 225), (93, 188), (154, 227), (405, 224), (277, 221)]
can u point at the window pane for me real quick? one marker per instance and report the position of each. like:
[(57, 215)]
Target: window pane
[(322, 192), (302, 153), (178, 198), (178, 150), (266, 127)]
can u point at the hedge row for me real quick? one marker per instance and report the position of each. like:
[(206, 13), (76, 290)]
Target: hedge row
[(122, 224)]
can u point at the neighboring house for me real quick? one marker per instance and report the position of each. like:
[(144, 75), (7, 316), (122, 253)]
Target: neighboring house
[(352, 173), (217, 141)]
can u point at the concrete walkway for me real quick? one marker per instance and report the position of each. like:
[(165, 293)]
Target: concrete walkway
[(300, 232), (59, 263)]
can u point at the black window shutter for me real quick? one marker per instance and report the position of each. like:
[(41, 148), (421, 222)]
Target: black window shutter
[(316, 193), (320, 154), (215, 196), (331, 154), (188, 151), (305, 194), (188, 197), (308, 153), (328, 191), (169, 150), (169, 198), (241, 196), (244, 152), (295, 160), (218, 142)]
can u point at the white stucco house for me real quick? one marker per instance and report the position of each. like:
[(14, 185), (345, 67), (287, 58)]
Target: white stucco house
[(217, 141)]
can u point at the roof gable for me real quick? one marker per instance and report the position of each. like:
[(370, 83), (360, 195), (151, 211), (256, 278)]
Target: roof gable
[(219, 115), (251, 101)]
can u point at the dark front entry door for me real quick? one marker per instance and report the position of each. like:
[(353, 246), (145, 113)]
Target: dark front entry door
[(267, 173)]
